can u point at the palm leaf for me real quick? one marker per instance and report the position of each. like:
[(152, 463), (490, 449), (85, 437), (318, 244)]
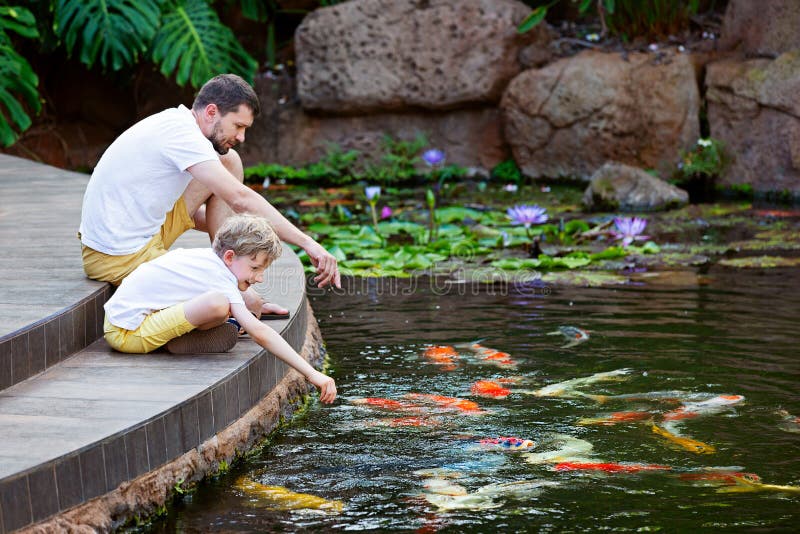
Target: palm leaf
[(17, 80), (193, 44), (113, 32)]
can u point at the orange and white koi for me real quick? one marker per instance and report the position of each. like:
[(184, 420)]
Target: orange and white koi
[(411, 421), (506, 443), (572, 334), (447, 403), (443, 355), (281, 498), (689, 444), (569, 448), (616, 418), (567, 388), (609, 467), (492, 356), (654, 396), (388, 404), (489, 388), (690, 410)]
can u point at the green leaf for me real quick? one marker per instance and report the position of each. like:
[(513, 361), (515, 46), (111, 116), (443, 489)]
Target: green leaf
[(195, 46), (115, 32), (337, 252), (534, 18), (610, 253), (18, 20), (18, 85)]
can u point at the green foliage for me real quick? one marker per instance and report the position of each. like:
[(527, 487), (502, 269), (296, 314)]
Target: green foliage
[(115, 32), (18, 82), (399, 160), (706, 159), (507, 171), (193, 44), (628, 18)]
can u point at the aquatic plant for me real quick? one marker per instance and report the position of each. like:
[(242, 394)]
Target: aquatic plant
[(629, 229), (527, 215), (433, 157), (430, 197), (386, 212), (373, 193)]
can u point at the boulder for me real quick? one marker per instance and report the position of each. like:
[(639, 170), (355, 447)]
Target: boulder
[(753, 109), (367, 55), (764, 28), (573, 115), (285, 133), (619, 187)]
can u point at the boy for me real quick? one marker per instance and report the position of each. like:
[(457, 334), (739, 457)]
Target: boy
[(183, 299)]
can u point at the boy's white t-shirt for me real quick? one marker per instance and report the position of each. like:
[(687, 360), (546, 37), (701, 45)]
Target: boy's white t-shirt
[(177, 276), (138, 180)]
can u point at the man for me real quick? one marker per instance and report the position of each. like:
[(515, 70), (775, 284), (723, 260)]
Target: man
[(176, 170)]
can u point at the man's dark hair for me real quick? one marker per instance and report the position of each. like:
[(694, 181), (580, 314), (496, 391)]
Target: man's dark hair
[(228, 92)]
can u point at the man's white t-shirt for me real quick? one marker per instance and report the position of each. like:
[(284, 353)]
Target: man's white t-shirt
[(177, 276), (138, 180)]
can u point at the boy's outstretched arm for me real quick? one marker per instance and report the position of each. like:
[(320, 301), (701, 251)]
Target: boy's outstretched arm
[(273, 342)]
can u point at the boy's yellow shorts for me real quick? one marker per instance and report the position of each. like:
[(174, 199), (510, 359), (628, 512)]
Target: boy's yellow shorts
[(114, 269), (156, 330)]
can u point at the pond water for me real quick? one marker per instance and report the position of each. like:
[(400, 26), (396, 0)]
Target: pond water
[(732, 334)]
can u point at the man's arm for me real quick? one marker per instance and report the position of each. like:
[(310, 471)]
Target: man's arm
[(276, 345), (242, 199)]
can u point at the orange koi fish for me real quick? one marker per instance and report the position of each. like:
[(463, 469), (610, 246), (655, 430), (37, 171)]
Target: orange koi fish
[(489, 388), (443, 355), (719, 477), (689, 444), (609, 467), (690, 410), (615, 418), (388, 404), (448, 403), (492, 356), (505, 443), (411, 421)]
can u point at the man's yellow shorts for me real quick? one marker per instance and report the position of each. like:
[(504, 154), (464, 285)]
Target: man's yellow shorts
[(156, 330), (114, 269)]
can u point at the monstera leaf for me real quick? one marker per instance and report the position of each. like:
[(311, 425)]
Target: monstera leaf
[(115, 32), (195, 45), (17, 80)]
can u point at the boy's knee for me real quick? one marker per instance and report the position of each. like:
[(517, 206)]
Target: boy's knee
[(219, 305), (233, 162)]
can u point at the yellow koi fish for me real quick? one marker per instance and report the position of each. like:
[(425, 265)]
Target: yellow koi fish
[(280, 498), (689, 444), (743, 484)]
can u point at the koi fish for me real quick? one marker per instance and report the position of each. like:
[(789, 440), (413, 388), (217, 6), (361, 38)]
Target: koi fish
[(609, 467), (743, 484), (572, 334), (570, 448), (490, 355), (789, 422), (411, 421), (656, 396), (443, 355), (505, 443), (690, 410), (567, 387), (281, 498), (388, 404), (689, 444), (489, 388), (485, 497), (719, 477), (615, 418), (448, 403)]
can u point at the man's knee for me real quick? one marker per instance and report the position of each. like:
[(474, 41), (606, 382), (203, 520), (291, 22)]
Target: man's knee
[(233, 163)]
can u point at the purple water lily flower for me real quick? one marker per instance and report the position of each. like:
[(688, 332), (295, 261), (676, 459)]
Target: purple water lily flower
[(527, 215), (386, 212), (629, 229), (372, 192), (433, 157)]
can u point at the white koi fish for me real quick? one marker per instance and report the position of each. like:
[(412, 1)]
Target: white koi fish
[(690, 410), (569, 448), (485, 497), (568, 387), (789, 422)]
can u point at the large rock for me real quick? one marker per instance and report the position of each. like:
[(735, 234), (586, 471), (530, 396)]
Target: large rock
[(572, 116), (763, 28), (621, 187), (753, 108), (285, 133), (367, 55)]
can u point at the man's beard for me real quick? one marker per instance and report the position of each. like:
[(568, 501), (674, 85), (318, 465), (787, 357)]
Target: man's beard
[(217, 142)]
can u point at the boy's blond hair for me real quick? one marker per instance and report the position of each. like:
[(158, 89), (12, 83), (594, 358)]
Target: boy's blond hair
[(247, 235)]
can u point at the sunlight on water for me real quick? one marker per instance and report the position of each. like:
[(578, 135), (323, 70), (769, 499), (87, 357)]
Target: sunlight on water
[(402, 469)]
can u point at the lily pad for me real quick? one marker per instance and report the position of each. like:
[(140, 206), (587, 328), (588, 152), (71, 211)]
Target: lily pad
[(584, 278), (760, 262)]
